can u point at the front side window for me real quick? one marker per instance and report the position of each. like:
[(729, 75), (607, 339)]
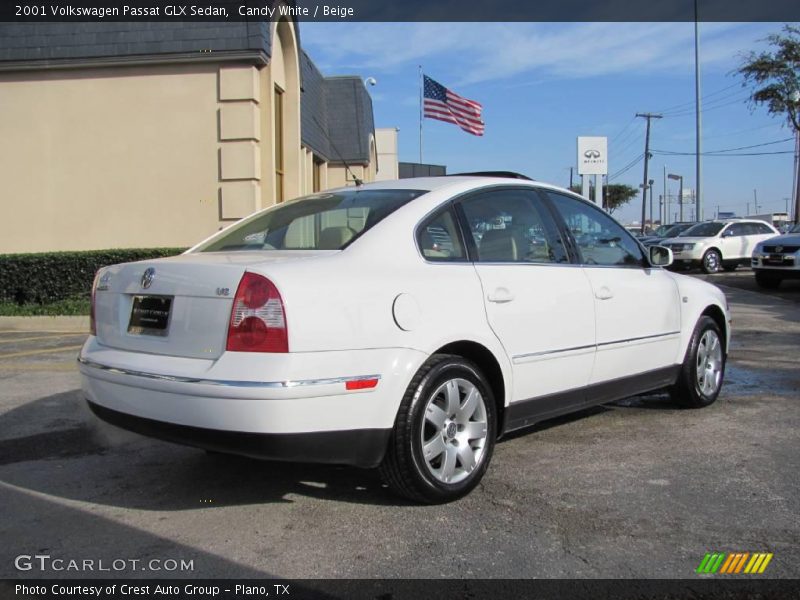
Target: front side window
[(326, 221), (513, 226), (601, 240)]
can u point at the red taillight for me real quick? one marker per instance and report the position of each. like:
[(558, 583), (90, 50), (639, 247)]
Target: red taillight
[(258, 320), (92, 323)]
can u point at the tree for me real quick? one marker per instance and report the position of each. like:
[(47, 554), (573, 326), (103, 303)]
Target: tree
[(614, 195), (774, 76)]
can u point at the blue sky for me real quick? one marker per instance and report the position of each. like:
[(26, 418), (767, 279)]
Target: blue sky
[(544, 84)]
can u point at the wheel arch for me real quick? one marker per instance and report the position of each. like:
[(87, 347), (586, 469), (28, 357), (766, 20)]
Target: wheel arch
[(489, 365), (716, 313)]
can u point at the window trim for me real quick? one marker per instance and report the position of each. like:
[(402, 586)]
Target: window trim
[(432, 216), (578, 255), (472, 249)]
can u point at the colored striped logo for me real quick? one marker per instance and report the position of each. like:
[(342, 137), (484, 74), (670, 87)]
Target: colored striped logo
[(734, 563)]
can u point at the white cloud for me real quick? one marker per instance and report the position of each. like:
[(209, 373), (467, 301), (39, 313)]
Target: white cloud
[(479, 52)]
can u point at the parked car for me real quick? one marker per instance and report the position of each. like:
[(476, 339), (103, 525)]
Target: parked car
[(664, 232), (777, 258), (374, 326), (719, 244)]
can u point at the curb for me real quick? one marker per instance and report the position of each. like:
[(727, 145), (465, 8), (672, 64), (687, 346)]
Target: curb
[(71, 324)]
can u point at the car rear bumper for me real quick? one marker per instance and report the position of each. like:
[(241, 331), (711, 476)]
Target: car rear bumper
[(298, 408), (358, 447)]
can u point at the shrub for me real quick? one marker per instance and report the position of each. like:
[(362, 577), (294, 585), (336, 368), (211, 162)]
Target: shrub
[(48, 277)]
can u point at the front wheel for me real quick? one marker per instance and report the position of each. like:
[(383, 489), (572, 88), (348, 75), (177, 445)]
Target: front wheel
[(703, 368), (712, 261), (444, 432)]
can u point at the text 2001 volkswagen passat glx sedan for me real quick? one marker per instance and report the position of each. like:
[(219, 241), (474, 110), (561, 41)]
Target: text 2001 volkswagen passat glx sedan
[(404, 324)]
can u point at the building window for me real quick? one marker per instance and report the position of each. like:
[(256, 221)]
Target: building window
[(317, 174), (279, 144)]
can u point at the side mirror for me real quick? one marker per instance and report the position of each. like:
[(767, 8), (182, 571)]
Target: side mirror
[(660, 256)]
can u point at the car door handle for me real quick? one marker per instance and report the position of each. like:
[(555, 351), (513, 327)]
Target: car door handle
[(603, 293), (500, 295)]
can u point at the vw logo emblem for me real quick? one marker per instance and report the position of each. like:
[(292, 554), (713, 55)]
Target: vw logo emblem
[(778, 248), (592, 154), (147, 278)]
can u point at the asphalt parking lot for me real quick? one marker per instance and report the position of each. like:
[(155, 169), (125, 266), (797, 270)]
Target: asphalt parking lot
[(639, 488)]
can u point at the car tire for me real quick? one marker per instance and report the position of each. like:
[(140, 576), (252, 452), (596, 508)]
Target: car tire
[(712, 261), (767, 281), (431, 457), (703, 368)]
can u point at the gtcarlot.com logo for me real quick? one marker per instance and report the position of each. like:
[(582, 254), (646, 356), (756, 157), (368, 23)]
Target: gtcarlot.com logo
[(45, 562), (734, 563)]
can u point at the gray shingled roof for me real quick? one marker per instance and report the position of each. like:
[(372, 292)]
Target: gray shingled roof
[(70, 42), (350, 118), (314, 108)]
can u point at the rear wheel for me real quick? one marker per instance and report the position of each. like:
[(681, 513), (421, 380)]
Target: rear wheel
[(767, 280), (703, 367), (712, 261), (444, 432)]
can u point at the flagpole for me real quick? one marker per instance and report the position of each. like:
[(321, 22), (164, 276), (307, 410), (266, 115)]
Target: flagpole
[(420, 113)]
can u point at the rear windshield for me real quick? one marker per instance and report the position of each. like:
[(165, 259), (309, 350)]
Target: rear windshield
[(326, 221), (703, 230)]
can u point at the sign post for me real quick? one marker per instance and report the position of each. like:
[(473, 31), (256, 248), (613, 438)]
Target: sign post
[(593, 160)]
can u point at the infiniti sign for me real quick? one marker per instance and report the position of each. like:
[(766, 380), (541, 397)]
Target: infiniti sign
[(592, 155)]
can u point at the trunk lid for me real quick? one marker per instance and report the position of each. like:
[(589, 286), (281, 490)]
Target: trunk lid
[(185, 308)]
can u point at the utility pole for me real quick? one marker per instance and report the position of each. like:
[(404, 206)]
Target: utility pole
[(755, 201), (697, 119), (570, 178), (647, 116), (797, 178)]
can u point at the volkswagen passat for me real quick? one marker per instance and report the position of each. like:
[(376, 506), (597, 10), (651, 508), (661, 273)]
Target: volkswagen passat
[(404, 324)]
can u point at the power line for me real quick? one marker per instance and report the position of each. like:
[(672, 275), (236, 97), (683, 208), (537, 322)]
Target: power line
[(714, 106), (691, 102), (626, 168), (721, 155), (713, 152)]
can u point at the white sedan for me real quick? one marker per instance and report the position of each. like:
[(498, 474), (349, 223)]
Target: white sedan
[(402, 324)]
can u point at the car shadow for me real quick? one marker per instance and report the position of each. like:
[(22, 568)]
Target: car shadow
[(123, 469)]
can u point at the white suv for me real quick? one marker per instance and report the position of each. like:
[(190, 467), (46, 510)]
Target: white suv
[(402, 324), (720, 244), (777, 258)]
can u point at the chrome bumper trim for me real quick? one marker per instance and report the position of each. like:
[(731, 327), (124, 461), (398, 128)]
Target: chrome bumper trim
[(224, 382)]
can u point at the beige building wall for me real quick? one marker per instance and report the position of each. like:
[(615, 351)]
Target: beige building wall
[(386, 141), (101, 158), (151, 156)]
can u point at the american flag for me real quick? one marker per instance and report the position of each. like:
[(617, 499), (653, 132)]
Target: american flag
[(445, 105)]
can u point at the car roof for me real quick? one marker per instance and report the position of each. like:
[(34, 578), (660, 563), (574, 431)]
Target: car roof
[(430, 184)]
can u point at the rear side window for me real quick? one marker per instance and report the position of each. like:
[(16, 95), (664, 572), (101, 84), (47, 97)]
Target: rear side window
[(762, 228), (513, 226), (326, 221)]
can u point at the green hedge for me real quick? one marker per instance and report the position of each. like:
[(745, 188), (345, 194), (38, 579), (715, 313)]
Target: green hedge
[(49, 277)]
